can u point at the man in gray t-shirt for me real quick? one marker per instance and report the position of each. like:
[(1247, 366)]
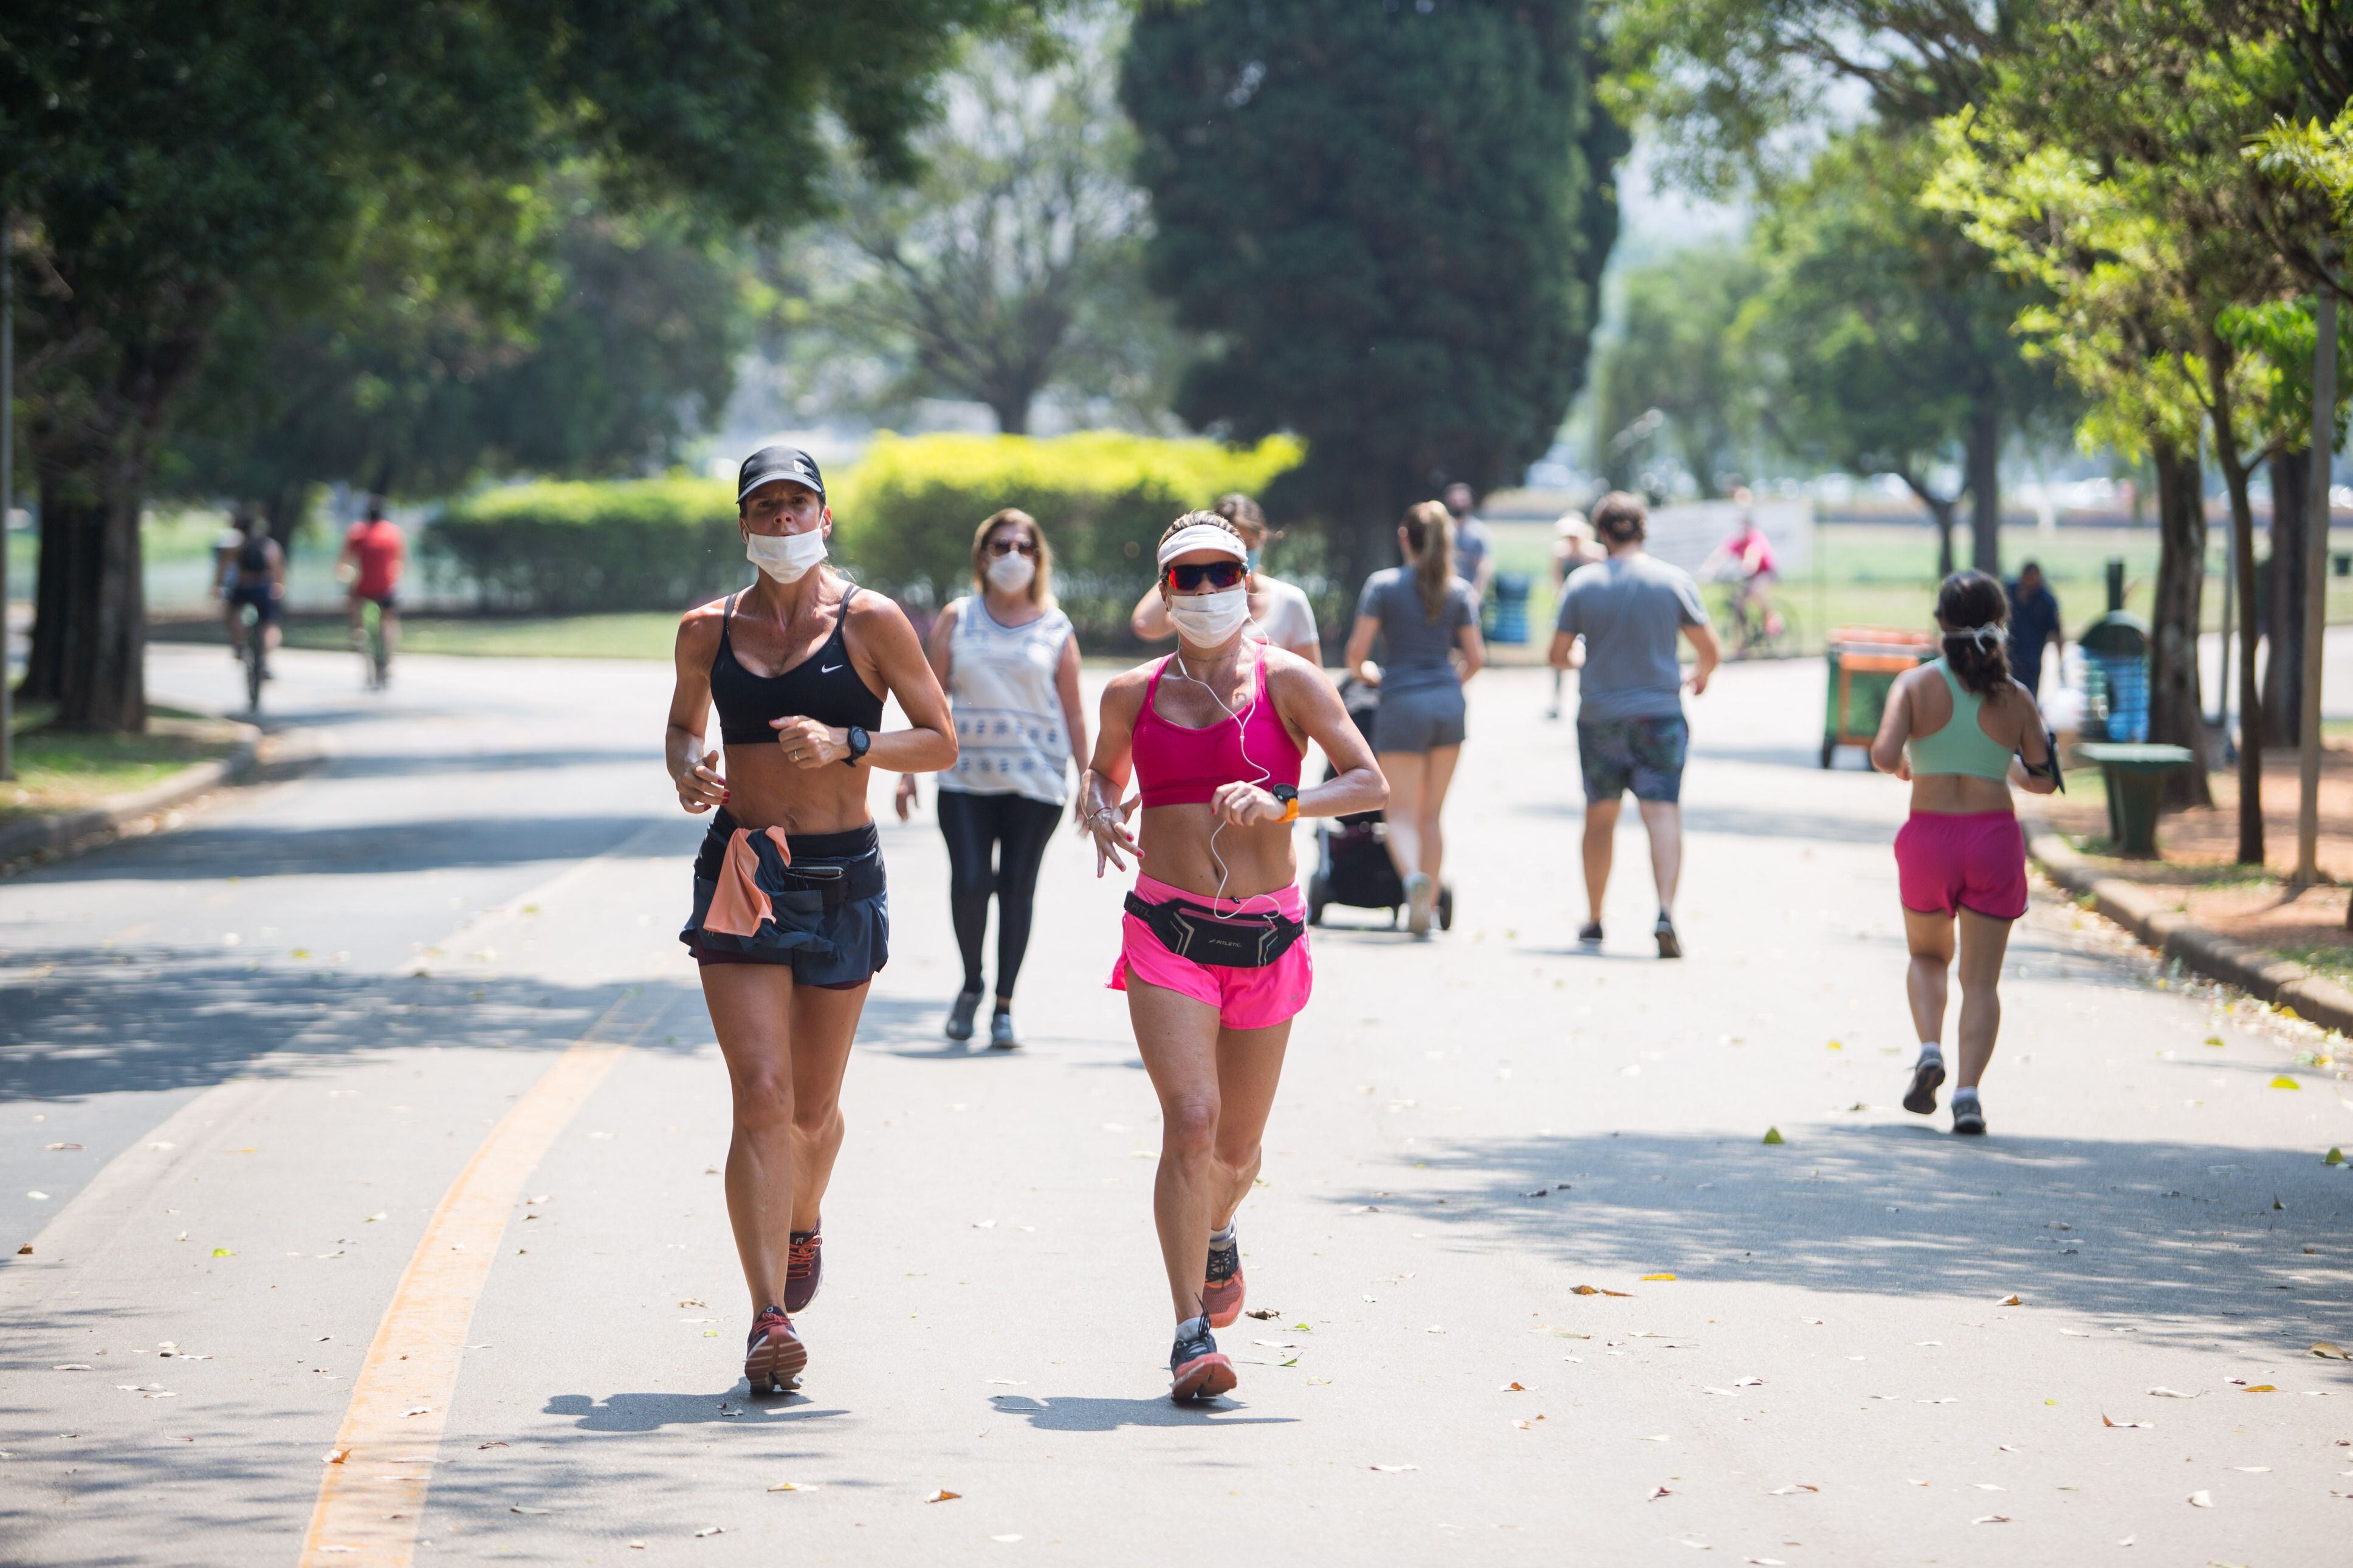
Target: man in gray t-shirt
[(1629, 610)]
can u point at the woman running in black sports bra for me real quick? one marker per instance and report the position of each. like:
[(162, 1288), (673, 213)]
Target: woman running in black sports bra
[(790, 918)]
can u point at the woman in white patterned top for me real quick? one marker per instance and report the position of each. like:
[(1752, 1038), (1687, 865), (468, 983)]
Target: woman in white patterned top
[(1010, 664)]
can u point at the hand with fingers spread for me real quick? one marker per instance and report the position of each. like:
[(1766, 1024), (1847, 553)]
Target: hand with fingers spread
[(1241, 804), (808, 743), (700, 787), (1108, 824)]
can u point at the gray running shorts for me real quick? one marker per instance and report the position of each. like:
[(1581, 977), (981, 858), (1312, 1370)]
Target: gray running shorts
[(1421, 720)]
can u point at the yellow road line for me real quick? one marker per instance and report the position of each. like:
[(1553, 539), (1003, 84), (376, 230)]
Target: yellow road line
[(371, 1498)]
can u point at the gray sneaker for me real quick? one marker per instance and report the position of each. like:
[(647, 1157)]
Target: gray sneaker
[(1968, 1116), (967, 1003), (1002, 1035)]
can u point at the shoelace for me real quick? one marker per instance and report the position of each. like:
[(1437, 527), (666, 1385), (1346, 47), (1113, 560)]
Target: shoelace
[(1224, 1262), (802, 1255)]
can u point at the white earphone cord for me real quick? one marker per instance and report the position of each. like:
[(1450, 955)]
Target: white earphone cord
[(1265, 776)]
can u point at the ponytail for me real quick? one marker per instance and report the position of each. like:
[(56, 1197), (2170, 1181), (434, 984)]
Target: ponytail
[(1430, 534), (1976, 616)]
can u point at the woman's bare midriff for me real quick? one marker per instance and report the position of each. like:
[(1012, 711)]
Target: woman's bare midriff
[(765, 789), (1175, 840), (1958, 794)]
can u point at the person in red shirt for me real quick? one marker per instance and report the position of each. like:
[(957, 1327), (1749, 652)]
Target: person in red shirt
[(373, 553)]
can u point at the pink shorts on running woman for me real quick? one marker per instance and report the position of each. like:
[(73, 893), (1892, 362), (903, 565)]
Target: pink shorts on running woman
[(1973, 860), (1244, 998)]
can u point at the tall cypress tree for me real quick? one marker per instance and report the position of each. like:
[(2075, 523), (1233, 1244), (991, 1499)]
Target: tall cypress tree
[(1391, 216)]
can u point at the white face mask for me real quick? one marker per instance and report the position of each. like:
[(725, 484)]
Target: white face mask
[(1011, 573), (1206, 620), (786, 557)]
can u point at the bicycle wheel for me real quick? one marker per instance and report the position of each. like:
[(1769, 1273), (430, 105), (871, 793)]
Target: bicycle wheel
[(255, 637)]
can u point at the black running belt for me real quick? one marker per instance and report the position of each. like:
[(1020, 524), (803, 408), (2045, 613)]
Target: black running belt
[(1236, 942), (839, 884)]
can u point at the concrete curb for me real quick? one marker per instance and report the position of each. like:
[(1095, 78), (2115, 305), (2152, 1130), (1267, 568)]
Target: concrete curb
[(2141, 910), (255, 756)]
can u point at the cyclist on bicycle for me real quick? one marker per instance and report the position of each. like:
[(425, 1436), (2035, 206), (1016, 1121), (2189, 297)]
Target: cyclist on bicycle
[(373, 553), (1745, 560), (253, 571)]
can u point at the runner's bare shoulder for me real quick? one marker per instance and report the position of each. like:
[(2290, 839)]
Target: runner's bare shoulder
[(698, 629)]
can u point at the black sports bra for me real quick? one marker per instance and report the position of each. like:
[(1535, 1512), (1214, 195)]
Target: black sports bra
[(823, 687)]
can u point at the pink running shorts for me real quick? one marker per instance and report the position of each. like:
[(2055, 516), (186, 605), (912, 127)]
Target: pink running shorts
[(1244, 998), (1973, 860)]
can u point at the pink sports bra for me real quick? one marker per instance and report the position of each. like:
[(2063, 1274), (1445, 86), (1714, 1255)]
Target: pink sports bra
[(1177, 765)]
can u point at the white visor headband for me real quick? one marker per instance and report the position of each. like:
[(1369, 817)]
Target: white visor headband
[(1984, 637), (1201, 536)]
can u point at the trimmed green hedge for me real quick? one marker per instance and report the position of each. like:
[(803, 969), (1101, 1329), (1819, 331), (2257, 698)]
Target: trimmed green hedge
[(554, 547), (903, 517), (905, 514)]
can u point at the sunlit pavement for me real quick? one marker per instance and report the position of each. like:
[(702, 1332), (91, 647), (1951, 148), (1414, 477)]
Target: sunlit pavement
[(272, 1041)]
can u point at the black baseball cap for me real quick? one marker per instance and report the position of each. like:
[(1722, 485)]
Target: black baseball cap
[(769, 464)]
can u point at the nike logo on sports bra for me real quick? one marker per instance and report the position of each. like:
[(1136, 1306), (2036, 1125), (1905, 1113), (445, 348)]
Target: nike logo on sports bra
[(826, 669)]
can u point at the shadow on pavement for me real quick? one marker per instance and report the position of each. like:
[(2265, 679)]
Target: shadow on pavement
[(75, 1022), (2171, 1239), (407, 765), (1079, 1413), (201, 853), (654, 1411)]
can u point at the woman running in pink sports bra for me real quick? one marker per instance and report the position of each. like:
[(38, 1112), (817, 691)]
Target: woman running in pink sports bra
[(1213, 952)]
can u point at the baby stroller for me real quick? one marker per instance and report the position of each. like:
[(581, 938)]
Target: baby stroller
[(1352, 853)]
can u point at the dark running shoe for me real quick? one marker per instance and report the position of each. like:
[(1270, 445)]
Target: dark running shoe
[(1669, 946), (1197, 1370), (1221, 1292), (1968, 1116), (960, 1017), (773, 1356), (1589, 934), (804, 1268), (1920, 1100)]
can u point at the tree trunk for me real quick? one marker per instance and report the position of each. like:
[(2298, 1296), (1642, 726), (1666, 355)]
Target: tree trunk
[(285, 509), (2283, 598), (2176, 714), (47, 657), (2235, 473), (91, 610), (1983, 459)]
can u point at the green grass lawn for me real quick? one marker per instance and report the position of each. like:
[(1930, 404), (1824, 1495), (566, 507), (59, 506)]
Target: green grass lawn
[(643, 635), (60, 770)]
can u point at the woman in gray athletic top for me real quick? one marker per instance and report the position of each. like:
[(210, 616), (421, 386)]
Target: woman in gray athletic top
[(1428, 619)]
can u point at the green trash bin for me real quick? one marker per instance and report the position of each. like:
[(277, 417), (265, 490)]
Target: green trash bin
[(1863, 662), (2135, 774)]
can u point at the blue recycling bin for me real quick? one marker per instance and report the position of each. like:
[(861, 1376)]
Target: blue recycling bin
[(1504, 615)]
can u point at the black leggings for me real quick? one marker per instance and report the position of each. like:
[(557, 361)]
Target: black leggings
[(994, 845)]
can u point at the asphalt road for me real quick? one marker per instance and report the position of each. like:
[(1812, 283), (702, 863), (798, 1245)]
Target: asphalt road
[(389, 1107)]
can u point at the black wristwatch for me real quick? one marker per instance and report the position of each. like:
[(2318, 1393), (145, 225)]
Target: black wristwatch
[(1286, 796), (861, 743)]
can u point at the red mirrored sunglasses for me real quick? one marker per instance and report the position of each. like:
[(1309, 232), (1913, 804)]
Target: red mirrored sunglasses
[(1216, 573)]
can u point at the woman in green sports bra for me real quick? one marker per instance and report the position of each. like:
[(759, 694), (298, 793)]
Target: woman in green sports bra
[(1963, 733)]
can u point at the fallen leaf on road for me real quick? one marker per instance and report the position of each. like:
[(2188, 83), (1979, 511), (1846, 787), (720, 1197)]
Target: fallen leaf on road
[(1658, 1275), (2202, 1499), (1435, 1328), (1262, 1313), (1991, 1518), (65, 1146), (690, 1302), (1595, 1290), (1796, 1487), (943, 1495), (72, 1366), (26, 1250), (796, 1487), (2331, 1351), (2009, 1301), (711, 1530), (1657, 1492), (2260, 1388), (1523, 1426), (420, 1410), (2284, 1081), (1773, 1135), (499, 1444), (334, 1456), (2128, 1541), (2173, 1393), (636, 1546), (518, 1507), (1395, 1469), (2121, 1424), (2334, 1157), (1747, 1383), (1512, 1388), (1539, 1193)]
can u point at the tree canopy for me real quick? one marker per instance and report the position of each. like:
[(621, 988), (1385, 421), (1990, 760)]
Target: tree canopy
[(1389, 222)]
